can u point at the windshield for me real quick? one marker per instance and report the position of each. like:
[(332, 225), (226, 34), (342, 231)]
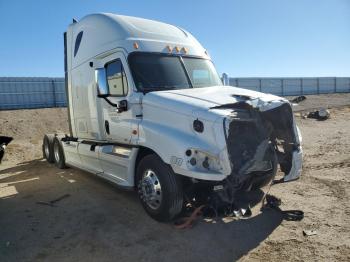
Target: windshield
[(163, 72)]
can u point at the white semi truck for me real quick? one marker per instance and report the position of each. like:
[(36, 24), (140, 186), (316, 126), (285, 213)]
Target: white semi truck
[(148, 111)]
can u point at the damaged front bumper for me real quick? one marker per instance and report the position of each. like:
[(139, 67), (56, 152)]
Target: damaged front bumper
[(261, 136), (255, 137)]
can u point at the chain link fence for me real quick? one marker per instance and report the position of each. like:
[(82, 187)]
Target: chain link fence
[(39, 92), (31, 92), (294, 86)]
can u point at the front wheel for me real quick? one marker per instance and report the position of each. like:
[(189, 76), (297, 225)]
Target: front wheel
[(159, 189)]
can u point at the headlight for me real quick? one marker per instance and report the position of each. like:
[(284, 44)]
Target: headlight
[(202, 161)]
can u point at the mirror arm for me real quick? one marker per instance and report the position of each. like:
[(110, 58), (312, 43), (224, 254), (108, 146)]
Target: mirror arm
[(119, 108), (109, 102)]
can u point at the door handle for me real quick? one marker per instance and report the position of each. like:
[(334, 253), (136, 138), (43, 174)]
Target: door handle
[(107, 126)]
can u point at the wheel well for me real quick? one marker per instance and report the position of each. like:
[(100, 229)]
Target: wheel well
[(143, 151)]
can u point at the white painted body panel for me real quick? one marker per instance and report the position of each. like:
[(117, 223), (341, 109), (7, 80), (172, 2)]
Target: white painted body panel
[(168, 118), (102, 162)]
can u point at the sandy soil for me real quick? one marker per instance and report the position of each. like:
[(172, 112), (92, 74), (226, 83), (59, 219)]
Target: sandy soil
[(338, 100), (99, 222), (28, 127)]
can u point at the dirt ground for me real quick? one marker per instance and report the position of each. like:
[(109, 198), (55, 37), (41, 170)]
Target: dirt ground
[(100, 222)]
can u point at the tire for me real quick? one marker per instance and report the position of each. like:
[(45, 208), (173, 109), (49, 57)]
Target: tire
[(48, 148), (60, 160), (163, 180)]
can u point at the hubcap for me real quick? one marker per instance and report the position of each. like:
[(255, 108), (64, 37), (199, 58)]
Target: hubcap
[(150, 189), (56, 152)]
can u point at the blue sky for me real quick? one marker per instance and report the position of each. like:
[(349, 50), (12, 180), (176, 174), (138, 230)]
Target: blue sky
[(244, 37)]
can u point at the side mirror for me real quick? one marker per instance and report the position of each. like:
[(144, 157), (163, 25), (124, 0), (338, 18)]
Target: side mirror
[(101, 82)]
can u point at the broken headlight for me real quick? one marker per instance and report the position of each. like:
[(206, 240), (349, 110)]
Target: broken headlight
[(202, 161)]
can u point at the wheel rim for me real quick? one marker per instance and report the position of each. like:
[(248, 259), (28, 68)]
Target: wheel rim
[(150, 189), (46, 149), (56, 152)]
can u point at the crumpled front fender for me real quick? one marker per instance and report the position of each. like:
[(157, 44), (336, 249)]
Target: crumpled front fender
[(297, 163)]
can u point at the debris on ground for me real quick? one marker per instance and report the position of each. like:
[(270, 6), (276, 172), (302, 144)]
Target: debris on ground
[(297, 99), (52, 202), (4, 141), (320, 114), (187, 222), (268, 202), (273, 202), (242, 212), (209, 212), (308, 233)]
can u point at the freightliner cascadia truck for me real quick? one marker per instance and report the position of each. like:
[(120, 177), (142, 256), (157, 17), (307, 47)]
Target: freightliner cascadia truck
[(148, 111)]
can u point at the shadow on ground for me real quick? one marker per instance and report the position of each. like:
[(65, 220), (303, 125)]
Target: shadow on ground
[(101, 222)]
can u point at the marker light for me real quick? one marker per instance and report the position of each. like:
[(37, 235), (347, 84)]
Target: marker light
[(185, 50), (202, 161), (136, 45), (169, 48), (177, 49)]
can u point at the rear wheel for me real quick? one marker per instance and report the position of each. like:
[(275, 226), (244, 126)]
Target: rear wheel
[(60, 160), (48, 148), (159, 189)]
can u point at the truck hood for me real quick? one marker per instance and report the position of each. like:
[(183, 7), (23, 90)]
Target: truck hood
[(187, 101)]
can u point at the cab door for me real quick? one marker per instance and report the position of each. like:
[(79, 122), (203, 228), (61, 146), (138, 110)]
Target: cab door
[(117, 108)]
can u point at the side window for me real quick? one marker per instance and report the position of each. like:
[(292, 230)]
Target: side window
[(77, 42), (116, 79)]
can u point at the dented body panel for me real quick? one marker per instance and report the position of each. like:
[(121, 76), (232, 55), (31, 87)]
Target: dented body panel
[(218, 108)]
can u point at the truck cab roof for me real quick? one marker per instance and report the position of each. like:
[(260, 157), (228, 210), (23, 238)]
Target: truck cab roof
[(103, 32)]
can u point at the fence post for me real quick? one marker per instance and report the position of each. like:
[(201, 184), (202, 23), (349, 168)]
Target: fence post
[(301, 86), (54, 93), (335, 84), (282, 87), (260, 84), (318, 85)]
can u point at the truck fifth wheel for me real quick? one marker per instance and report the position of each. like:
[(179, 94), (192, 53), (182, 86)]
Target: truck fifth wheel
[(148, 111)]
